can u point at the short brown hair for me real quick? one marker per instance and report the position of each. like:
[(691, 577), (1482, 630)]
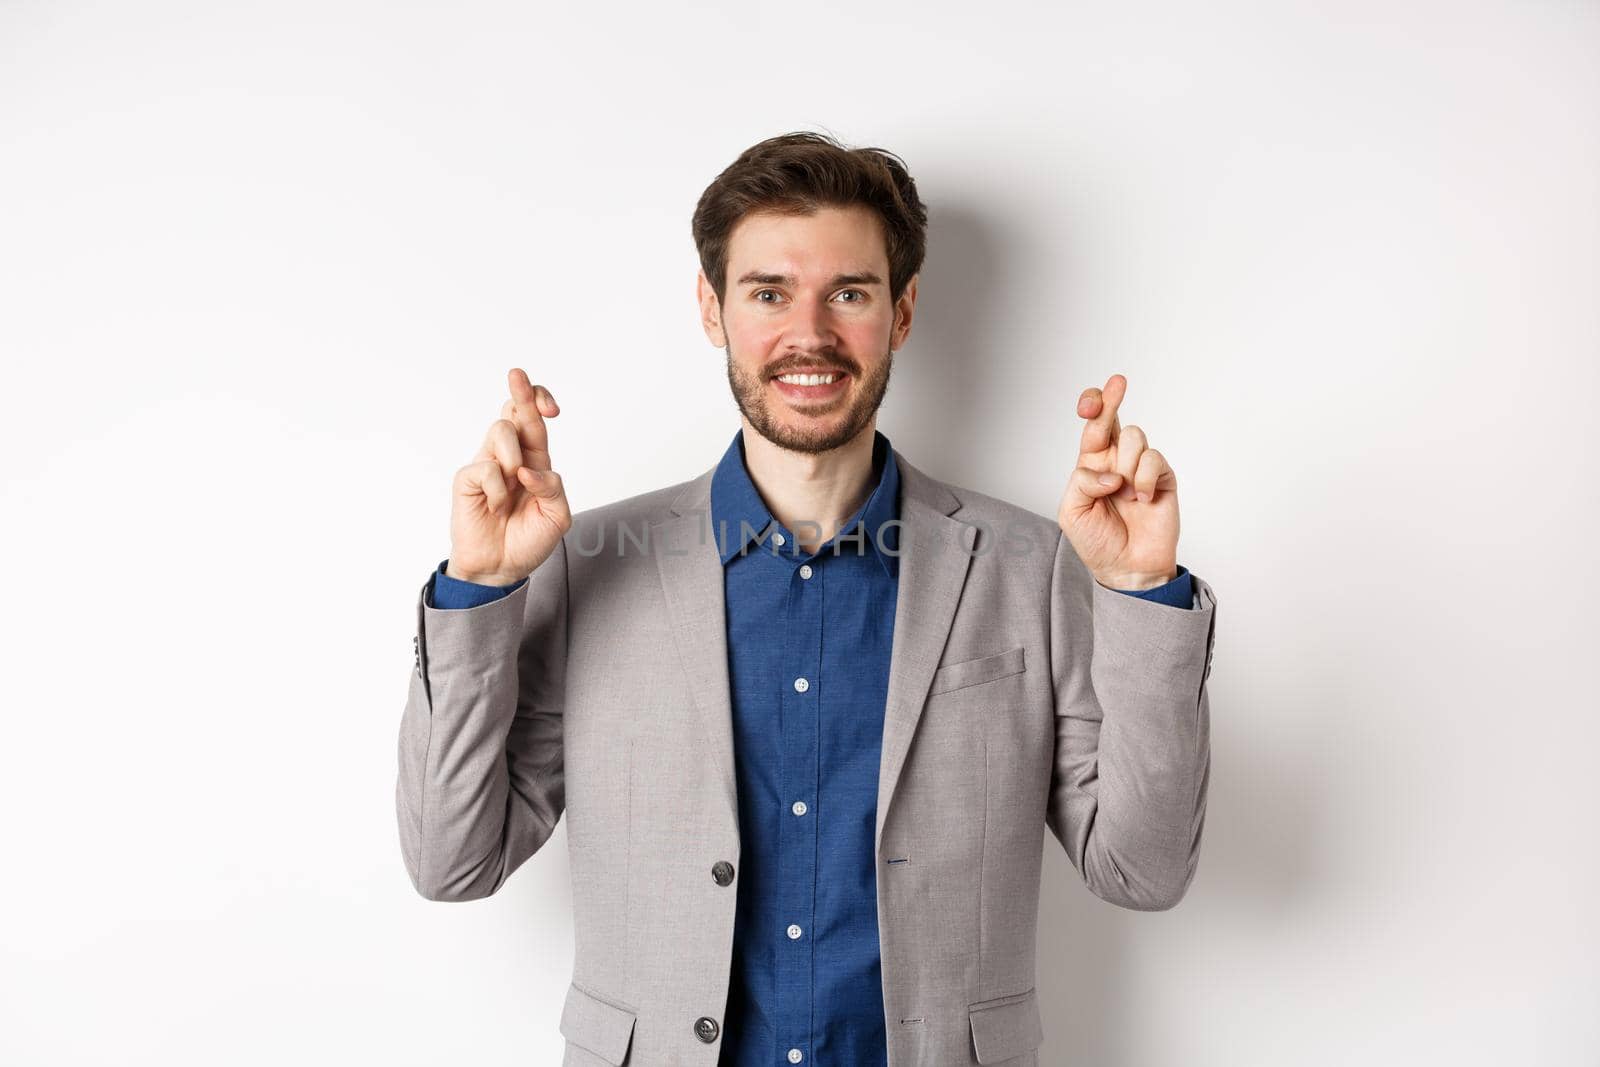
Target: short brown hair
[(795, 174)]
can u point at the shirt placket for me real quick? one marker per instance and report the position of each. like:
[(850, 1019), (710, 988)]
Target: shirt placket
[(797, 836)]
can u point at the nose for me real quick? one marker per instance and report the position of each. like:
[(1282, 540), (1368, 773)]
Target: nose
[(810, 325)]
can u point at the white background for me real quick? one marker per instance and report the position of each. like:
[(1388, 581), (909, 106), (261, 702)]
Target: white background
[(263, 268)]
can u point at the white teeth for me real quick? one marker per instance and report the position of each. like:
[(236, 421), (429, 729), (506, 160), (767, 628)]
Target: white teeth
[(806, 379)]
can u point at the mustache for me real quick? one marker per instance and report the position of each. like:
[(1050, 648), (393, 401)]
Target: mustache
[(812, 364)]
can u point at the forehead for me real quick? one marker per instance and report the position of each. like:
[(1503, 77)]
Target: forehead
[(831, 240)]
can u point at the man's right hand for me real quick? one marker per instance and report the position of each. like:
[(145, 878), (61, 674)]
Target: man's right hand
[(508, 510)]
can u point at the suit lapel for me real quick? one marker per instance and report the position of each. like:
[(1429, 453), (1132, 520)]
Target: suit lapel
[(935, 553), (691, 576)]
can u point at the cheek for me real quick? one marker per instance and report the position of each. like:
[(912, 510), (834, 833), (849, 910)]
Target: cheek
[(873, 326), (754, 344), (868, 334), (754, 335)]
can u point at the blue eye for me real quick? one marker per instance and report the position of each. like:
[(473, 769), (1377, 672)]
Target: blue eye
[(858, 292), (758, 295)]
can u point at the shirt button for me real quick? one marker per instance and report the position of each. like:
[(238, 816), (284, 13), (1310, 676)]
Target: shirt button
[(794, 932), (705, 1028), (805, 570), (777, 539), (799, 807), (795, 1055), (801, 685)]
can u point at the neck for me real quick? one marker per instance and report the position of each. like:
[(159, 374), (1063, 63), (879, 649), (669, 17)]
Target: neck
[(811, 493)]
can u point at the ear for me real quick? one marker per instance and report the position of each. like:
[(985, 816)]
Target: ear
[(710, 310), (903, 309)]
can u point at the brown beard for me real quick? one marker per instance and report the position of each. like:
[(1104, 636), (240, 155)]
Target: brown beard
[(750, 393)]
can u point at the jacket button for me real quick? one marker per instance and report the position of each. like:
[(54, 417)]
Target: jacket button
[(705, 1028), (722, 871)]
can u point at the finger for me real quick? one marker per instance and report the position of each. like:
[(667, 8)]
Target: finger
[(537, 399), (502, 445), (538, 459), (528, 407), (1154, 475), (1103, 426), (525, 392), (483, 477), (1086, 485), (1131, 445)]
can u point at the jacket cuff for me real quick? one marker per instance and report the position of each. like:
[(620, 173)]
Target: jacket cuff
[(1160, 642), (452, 594), (1178, 593)]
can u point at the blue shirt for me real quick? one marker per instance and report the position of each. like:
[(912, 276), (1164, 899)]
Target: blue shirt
[(809, 637), (809, 643)]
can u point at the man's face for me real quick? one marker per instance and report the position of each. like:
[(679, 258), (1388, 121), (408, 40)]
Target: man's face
[(808, 295)]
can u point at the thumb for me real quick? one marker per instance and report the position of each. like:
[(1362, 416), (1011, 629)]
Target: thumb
[(1092, 484), (545, 484)]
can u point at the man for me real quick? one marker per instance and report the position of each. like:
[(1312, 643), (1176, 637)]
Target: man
[(809, 713)]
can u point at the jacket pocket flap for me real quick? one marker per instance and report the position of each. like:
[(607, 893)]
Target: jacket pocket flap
[(975, 671), (593, 1024), (1006, 1028)]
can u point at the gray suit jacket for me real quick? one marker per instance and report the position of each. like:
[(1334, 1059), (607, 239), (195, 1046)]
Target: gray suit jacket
[(1022, 695)]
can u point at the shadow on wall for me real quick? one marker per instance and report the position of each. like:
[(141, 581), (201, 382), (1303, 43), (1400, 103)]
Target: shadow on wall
[(945, 372), (1271, 795), (1257, 864)]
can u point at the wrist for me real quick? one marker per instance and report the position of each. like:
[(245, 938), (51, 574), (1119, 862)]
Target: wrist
[(1135, 581), (480, 577)]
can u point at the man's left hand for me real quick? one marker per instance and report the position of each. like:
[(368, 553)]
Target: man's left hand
[(1126, 532)]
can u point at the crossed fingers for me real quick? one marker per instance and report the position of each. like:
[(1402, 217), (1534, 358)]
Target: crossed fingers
[(1144, 470), (520, 437)]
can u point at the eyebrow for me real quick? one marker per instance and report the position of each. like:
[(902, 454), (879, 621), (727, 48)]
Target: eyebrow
[(756, 277)]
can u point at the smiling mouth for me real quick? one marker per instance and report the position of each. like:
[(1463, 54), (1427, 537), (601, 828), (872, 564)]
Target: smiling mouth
[(823, 378), (814, 385)]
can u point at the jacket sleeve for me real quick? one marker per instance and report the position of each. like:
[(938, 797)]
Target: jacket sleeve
[(480, 785), (1133, 754)]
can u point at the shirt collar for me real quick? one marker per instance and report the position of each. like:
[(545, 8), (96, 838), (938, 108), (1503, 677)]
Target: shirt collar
[(739, 516)]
